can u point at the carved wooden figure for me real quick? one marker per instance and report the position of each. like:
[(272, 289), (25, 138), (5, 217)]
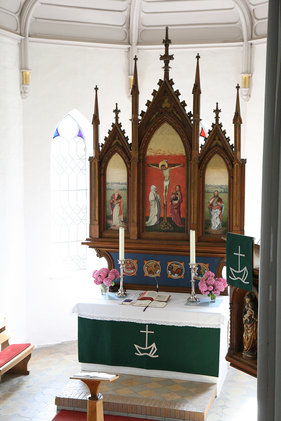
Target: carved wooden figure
[(250, 325), (242, 351)]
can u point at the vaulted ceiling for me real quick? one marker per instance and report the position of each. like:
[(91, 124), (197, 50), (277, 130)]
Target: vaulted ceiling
[(137, 22)]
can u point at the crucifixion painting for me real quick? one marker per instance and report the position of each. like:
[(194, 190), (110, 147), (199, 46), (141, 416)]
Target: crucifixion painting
[(165, 182), (166, 168)]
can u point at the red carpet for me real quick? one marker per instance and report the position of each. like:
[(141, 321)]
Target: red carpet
[(82, 416)]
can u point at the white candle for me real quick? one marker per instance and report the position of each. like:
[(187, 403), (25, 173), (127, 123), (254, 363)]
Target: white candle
[(192, 247), (121, 242)]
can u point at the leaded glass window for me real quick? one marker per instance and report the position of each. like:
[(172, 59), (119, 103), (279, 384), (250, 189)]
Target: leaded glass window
[(69, 196)]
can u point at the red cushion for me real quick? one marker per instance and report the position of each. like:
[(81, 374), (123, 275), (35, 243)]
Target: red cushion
[(10, 352)]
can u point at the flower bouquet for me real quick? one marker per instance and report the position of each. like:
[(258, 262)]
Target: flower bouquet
[(211, 286), (105, 278)]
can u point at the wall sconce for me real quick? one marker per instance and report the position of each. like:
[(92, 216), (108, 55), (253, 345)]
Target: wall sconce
[(245, 86), (25, 82), (131, 79)]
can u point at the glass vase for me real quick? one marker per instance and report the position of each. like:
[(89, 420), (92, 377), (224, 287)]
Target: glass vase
[(104, 289), (212, 298)]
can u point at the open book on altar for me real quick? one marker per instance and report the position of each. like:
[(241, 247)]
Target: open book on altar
[(153, 298)]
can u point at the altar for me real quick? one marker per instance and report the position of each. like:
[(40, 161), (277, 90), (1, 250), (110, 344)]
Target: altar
[(179, 341)]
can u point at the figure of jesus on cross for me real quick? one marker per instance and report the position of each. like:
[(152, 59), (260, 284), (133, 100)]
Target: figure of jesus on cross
[(165, 168)]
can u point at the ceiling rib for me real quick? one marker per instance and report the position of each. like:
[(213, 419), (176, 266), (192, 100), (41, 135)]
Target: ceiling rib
[(246, 22), (133, 33), (25, 19), (133, 11)]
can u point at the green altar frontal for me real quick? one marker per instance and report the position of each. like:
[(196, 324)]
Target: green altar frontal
[(184, 349)]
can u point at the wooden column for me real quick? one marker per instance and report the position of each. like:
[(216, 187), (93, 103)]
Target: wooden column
[(134, 187), (94, 174), (238, 172), (194, 168)]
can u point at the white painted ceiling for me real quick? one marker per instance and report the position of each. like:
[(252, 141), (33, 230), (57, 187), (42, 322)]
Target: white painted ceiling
[(137, 22)]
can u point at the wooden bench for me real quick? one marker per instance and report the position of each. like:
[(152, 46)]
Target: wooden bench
[(13, 358)]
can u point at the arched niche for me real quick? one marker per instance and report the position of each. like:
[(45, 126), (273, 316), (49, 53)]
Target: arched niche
[(116, 193), (216, 197), (165, 187)]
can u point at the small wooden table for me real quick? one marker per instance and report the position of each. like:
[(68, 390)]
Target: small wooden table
[(95, 402)]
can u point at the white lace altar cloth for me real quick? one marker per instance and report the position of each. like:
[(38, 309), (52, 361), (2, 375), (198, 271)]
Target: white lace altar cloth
[(176, 312)]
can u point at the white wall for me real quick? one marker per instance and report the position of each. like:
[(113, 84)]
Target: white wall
[(12, 269), (63, 77), (219, 74), (253, 143)]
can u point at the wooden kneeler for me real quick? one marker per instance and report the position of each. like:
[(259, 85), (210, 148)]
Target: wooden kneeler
[(95, 401)]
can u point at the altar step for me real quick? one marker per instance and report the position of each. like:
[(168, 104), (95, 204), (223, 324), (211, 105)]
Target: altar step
[(144, 397)]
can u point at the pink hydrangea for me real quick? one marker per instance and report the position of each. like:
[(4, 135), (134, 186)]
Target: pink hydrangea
[(108, 282), (224, 283), (115, 273), (219, 286), (105, 276), (203, 287), (211, 286), (103, 272)]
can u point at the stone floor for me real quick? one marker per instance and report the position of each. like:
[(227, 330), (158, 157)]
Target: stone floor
[(32, 398)]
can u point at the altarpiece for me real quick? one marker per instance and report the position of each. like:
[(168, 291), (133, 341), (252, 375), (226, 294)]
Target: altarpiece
[(162, 184)]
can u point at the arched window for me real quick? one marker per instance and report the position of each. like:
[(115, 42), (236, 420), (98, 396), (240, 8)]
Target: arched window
[(69, 193)]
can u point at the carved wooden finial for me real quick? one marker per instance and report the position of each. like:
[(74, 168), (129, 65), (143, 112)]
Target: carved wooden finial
[(196, 86), (166, 57), (135, 85), (96, 108), (237, 116), (217, 112), (116, 112), (95, 123)]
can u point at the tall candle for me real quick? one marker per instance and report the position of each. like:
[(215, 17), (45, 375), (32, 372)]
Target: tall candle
[(192, 247), (121, 242)]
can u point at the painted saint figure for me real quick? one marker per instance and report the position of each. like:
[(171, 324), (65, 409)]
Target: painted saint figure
[(216, 208), (176, 199), (165, 168), (250, 324), (155, 207), (116, 206)]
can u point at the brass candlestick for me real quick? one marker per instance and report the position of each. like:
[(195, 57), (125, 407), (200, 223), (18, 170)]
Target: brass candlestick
[(121, 291), (193, 299)]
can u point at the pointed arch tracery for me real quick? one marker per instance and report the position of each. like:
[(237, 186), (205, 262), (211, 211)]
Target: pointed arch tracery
[(69, 193)]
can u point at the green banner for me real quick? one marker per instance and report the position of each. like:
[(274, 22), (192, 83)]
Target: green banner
[(239, 261)]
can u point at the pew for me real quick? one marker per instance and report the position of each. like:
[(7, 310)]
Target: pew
[(13, 358)]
